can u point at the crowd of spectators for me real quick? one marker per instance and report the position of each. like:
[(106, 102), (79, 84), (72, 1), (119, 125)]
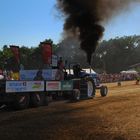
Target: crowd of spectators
[(108, 78)]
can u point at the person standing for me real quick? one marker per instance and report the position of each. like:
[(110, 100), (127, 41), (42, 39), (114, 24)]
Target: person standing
[(39, 75), (60, 72)]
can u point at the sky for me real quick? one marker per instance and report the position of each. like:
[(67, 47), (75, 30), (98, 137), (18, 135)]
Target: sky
[(28, 22)]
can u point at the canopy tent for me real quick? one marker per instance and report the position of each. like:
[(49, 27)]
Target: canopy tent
[(129, 72)]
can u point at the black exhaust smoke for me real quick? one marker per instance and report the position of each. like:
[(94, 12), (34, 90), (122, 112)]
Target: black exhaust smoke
[(83, 19)]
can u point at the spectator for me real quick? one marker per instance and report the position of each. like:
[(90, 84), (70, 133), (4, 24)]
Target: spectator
[(60, 64), (39, 75), (60, 73), (137, 80)]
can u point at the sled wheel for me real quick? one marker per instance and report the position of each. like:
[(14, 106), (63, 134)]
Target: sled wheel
[(21, 101), (46, 100), (37, 99)]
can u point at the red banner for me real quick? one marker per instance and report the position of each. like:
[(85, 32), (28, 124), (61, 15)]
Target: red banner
[(47, 53), (15, 51)]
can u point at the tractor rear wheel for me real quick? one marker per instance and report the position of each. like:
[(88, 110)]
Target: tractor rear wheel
[(90, 87)]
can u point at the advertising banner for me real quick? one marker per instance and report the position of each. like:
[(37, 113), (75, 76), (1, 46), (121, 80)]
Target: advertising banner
[(67, 85), (24, 86), (53, 85), (48, 74)]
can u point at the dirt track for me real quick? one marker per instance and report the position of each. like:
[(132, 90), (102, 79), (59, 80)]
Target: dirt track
[(115, 117)]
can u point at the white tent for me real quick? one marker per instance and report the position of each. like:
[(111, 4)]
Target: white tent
[(129, 72)]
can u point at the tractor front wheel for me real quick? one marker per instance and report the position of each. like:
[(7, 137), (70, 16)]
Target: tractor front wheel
[(104, 91)]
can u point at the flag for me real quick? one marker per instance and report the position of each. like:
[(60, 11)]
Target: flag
[(47, 53), (16, 53)]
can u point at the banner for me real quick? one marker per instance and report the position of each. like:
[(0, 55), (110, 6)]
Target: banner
[(47, 53), (15, 51), (67, 85), (24, 86), (53, 85), (48, 74)]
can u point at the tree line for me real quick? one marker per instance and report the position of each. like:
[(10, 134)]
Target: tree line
[(117, 54), (111, 56), (30, 58)]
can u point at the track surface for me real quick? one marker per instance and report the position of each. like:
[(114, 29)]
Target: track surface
[(115, 117)]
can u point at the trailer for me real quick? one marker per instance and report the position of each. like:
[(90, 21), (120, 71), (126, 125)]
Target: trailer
[(21, 94)]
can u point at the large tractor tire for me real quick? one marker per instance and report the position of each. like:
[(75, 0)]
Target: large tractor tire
[(37, 99), (21, 101), (104, 91), (90, 88)]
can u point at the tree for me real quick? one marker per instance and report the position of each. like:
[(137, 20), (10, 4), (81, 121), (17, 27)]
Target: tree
[(120, 53)]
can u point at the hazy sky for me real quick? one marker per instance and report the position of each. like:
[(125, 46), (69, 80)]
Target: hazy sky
[(27, 22)]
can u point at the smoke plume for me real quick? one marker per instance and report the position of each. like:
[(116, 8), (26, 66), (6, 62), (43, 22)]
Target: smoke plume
[(83, 19)]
